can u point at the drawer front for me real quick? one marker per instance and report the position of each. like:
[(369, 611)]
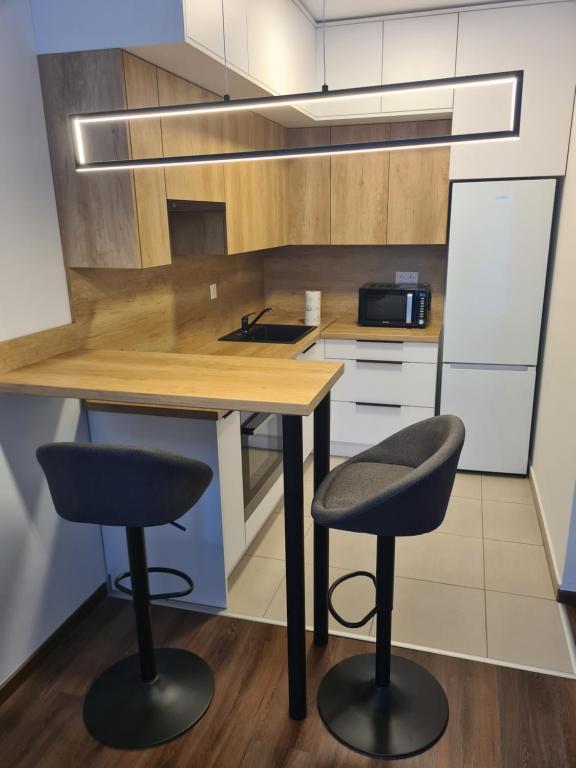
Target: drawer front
[(314, 352), (402, 351), (370, 424), (394, 383)]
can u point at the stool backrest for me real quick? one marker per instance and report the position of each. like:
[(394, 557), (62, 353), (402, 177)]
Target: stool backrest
[(121, 485)]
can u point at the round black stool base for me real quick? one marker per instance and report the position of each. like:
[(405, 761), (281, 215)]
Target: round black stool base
[(399, 721), (122, 711)]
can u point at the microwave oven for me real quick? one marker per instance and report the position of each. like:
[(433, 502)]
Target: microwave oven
[(403, 305)]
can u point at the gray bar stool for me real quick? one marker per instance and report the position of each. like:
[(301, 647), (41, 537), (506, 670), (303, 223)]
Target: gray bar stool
[(155, 695), (382, 705)]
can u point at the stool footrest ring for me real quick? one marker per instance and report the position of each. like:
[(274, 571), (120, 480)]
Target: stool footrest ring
[(334, 612), (160, 595)]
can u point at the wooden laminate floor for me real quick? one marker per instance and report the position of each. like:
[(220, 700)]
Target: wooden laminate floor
[(499, 717)]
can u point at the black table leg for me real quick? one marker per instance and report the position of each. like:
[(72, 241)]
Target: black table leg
[(321, 532), (294, 536)]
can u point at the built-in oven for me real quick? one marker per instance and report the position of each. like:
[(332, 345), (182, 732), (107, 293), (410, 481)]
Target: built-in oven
[(261, 441)]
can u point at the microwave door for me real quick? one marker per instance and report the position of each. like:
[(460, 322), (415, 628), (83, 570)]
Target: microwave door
[(386, 308)]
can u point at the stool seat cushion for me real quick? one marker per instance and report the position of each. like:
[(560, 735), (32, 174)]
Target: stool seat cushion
[(121, 485), (400, 487), (361, 481)]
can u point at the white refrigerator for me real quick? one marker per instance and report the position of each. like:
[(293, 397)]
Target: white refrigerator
[(497, 260)]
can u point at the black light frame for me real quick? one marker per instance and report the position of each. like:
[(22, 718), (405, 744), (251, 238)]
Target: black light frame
[(228, 105)]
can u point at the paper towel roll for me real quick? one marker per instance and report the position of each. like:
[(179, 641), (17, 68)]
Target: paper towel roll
[(312, 307)]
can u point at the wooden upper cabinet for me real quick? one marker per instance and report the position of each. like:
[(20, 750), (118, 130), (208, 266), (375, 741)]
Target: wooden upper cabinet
[(106, 219), (194, 135), (145, 137), (308, 182), (419, 185), (255, 191), (359, 188)]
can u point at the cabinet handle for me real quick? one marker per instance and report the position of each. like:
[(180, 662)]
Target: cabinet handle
[(381, 405), (376, 341), (381, 362), (308, 348)]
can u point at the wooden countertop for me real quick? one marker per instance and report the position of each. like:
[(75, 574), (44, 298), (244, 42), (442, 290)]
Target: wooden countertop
[(261, 350), (172, 378), (348, 328)]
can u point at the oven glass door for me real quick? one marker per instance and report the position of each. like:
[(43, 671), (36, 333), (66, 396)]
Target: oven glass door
[(386, 306), (261, 441)]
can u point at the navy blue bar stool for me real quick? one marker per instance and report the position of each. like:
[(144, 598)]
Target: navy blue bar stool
[(378, 704), (155, 695)]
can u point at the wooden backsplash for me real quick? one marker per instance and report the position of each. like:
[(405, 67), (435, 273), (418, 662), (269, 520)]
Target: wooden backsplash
[(153, 309), (168, 308), (338, 271)]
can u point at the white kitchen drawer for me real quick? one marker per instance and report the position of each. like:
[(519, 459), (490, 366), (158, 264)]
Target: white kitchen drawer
[(394, 383), (404, 351), (313, 352), (366, 425)]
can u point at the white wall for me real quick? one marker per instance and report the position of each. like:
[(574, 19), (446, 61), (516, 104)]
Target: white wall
[(33, 291), (554, 453), (83, 25), (47, 567)]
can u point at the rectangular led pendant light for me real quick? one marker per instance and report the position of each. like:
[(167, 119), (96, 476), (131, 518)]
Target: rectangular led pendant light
[(514, 79)]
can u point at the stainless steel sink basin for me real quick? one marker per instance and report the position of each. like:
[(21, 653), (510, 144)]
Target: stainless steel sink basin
[(268, 333)]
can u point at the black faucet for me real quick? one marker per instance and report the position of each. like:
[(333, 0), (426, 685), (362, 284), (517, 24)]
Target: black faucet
[(247, 324)]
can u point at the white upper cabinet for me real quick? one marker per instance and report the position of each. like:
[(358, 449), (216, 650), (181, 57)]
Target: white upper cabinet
[(420, 48), (281, 42), (372, 53), (540, 39), (353, 58), (203, 20)]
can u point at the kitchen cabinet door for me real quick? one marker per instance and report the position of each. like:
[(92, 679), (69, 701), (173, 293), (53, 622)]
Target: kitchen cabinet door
[(420, 48), (540, 40), (149, 184), (281, 41), (419, 187), (359, 188), (201, 134), (203, 22), (107, 220), (308, 189), (353, 58), (255, 191)]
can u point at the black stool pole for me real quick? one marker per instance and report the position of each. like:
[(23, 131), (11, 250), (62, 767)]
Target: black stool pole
[(141, 600), (384, 602), (321, 532)]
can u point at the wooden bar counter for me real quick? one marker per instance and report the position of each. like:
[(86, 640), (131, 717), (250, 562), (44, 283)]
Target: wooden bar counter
[(168, 378)]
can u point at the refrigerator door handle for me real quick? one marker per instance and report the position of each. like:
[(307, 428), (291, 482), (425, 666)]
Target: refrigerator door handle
[(487, 367)]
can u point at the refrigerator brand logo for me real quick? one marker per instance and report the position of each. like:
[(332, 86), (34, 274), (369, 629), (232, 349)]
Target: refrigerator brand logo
[(502, 197)]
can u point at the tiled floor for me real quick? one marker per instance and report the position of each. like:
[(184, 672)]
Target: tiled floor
[(479, 585)]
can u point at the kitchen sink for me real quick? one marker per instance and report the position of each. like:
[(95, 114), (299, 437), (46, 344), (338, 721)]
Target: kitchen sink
[(269, 333)]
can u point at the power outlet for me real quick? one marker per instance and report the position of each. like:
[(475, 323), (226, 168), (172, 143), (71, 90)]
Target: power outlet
[(213, 291), (406, 277)]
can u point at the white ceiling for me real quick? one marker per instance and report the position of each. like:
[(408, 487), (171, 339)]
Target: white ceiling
[(354, 9)]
